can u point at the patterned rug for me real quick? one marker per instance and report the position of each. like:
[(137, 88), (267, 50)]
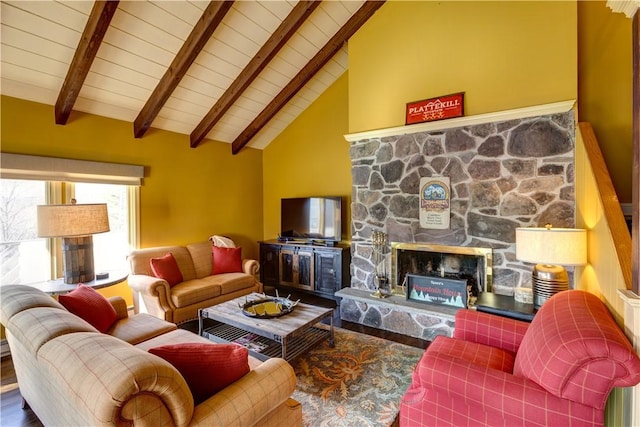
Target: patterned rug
[(359, 382)]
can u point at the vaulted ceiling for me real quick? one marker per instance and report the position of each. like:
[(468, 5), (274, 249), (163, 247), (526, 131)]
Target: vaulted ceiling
[(237, 72)]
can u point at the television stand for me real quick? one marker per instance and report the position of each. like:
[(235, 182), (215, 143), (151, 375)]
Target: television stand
[(299, 241), (327, 243), (291, 240), (317, 267)]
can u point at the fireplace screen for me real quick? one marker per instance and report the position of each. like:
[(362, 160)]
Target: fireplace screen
[(450, 262)]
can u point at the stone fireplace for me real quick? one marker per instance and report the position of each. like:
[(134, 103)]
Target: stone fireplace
[(507, 170), (473, 265)]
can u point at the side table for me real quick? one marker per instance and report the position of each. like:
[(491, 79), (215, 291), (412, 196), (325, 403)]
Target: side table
[(57, 286), (503, 305)]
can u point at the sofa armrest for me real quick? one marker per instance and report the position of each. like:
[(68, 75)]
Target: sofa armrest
[(250, 266), (155, 293), (247, 400), (148, 284), (489, 329), (517, 399), (127, 387), (120, 305)]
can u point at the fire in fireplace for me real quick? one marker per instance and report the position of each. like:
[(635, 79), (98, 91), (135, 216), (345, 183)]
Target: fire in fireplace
[(452, 262)]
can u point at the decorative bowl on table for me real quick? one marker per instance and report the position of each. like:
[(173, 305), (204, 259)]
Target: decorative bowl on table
[(268, 307)]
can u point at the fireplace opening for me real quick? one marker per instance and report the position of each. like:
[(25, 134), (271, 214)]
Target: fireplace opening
[(450, 262)]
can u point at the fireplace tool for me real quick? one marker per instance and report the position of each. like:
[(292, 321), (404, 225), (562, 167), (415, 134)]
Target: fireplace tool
[(379, 243)]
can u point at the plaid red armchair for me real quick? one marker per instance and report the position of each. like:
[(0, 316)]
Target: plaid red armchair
[(556, 371)]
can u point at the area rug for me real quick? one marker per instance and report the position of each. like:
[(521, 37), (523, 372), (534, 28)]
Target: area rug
[(359, 382)]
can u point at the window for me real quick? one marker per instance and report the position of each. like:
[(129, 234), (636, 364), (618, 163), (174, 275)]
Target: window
[(109, 249), (24, 258), (27, 181)]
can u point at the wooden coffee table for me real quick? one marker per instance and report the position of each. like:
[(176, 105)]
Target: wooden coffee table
[(286, 336)]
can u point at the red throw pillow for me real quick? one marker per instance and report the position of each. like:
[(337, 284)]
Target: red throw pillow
[(88, 304), (166, 268), (207, 368), (227, 260)]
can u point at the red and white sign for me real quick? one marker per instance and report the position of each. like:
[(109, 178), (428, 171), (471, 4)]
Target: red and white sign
[(442, 107)]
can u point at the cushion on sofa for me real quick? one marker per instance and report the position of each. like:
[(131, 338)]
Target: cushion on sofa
[(181, 336), (202, 260), (478, 354), (17, 298), (39, 325), (194, 291), (139, 328), (199, 290), (166, 268), (232, 282), (86, 303), (226, 260), (206, 367)]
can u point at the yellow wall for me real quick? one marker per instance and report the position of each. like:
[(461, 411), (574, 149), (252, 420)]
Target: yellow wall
[(187, 195), (310, 158), (503, 55), (605, 86)]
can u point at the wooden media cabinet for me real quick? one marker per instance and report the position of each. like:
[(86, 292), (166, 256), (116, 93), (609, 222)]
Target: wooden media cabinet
[(313, 268)]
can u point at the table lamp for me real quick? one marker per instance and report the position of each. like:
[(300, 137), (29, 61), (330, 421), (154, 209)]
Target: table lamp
[(75, 224), (550, 249)]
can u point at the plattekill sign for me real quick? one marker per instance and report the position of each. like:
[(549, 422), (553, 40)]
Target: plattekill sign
[(442, 107)]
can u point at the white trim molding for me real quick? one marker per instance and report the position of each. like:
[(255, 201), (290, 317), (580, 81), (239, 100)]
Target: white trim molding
[(632, 330), (498, 116), (628, 7)]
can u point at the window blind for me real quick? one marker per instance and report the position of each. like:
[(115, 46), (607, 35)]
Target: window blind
[(22, 166)]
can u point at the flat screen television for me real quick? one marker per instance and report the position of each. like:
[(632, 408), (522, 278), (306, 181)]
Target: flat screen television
[(311, 218)]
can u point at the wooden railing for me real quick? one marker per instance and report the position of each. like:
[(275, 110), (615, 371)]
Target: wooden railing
[(612, 209)]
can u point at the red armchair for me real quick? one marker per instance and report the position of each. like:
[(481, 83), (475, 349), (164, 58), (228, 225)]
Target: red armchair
[(556, 371)]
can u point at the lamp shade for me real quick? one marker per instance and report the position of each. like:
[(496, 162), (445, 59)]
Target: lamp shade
[(554, 246), (72, 220)]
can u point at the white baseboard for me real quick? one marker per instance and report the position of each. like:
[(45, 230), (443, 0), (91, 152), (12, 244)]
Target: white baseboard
[(4, 348)]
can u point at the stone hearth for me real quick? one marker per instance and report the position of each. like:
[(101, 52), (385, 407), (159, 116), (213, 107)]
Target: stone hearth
[(504, 174), (396, 314)]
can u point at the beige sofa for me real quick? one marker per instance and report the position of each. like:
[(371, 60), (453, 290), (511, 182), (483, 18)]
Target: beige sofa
[(70, 374), (200, 289)]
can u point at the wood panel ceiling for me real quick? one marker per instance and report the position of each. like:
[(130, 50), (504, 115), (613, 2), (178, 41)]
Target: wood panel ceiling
[(237, 72)]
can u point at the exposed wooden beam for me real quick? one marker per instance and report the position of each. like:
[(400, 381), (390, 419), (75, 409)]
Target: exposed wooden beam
[(92, 36), (278, 39), (635, 186), (200, 35), (310, 69)]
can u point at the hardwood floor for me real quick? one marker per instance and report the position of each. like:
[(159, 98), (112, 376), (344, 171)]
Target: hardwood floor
[(12, 414)]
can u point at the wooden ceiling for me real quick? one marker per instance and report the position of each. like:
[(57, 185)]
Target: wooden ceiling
[(237, 72)]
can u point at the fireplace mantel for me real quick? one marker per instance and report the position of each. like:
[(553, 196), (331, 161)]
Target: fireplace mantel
[(518, 113)]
